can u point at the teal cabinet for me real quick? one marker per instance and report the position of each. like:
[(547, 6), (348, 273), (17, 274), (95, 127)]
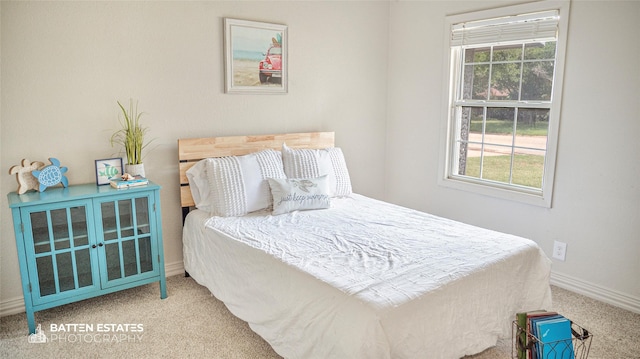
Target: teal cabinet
[(84, 241)]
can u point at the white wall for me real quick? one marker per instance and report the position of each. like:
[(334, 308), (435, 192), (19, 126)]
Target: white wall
[(596, 205), (64, 65)]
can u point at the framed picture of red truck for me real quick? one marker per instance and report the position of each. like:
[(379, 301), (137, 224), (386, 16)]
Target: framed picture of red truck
[(255, 57)]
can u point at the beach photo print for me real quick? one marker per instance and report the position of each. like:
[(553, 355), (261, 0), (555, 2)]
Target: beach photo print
[(255, 57)]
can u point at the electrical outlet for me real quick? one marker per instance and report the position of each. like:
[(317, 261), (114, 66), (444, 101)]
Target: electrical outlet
[(559, 250)]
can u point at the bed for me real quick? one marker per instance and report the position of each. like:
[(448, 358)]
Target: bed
[(352, 278)]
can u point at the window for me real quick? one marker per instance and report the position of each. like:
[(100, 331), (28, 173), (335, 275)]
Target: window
[(505, 76)]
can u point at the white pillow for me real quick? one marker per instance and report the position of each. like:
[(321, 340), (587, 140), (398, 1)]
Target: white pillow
[(238, 184), (293, 194), (199, 186), (309, 163)]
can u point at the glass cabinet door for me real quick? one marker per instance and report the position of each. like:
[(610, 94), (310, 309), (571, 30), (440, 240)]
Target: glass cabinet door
[(60, 243), (127, 239)]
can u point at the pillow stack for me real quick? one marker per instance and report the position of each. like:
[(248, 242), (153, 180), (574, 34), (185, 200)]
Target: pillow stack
[(295, 179), (235, 185), (308, 163)]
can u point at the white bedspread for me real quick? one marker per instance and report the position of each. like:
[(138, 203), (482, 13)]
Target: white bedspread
[(389, 281)]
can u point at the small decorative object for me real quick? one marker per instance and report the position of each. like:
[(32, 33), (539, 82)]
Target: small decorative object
[(131, 137), (108, 169), (51, 175), (255, 57), (24, 175), (136, 170), (127, 180)]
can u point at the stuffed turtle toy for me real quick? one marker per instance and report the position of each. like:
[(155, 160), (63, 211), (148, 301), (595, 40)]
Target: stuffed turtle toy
[(51, 175)]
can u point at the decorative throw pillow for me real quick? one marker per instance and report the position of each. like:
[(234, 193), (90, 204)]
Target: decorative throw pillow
[(293, 194), (238, 184), (311, 163)]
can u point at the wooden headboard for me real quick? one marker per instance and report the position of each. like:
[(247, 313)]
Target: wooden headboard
[(192, 150)]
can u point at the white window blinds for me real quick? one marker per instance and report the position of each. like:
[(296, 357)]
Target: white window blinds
[(541, 26)]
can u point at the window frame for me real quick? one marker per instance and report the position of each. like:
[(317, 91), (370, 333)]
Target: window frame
[(542, 197)]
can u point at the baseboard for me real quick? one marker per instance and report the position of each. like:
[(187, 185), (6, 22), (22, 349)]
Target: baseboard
[(16, 305), (595, 291), (173, 268), (12, 306)]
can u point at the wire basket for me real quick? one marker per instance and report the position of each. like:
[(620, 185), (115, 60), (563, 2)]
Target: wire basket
[(528, 346)]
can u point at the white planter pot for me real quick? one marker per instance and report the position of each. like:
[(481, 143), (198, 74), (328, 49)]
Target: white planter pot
[(135, 170)]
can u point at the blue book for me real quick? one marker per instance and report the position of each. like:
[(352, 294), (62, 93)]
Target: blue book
[(555, 338), (533, 329), (536, 352)]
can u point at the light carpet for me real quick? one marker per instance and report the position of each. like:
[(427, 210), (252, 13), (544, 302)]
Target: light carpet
[(192, 323)]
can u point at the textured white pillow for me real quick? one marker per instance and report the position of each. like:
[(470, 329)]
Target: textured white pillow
[(293, 194), (238, 184), (309, 163)]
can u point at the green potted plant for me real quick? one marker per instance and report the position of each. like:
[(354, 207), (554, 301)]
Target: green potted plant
[(131, 136)]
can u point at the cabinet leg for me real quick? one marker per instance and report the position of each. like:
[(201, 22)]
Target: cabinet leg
[(163, 288), (31, 320)]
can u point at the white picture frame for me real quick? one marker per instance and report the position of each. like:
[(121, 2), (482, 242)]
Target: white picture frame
[(256, 60)]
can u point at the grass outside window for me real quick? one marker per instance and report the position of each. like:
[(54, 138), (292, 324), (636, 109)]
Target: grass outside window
[(496, 126), (528, 169)]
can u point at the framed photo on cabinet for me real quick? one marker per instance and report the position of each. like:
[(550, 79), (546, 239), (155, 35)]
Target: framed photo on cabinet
[(108, 169)]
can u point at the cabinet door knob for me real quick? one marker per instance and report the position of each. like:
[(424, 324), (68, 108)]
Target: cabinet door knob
[(100, 244), (93, 246)]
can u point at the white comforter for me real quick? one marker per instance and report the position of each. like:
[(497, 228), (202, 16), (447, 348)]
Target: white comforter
[(367, 279)]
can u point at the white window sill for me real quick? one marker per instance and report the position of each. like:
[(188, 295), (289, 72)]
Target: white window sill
[(524, 195)]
